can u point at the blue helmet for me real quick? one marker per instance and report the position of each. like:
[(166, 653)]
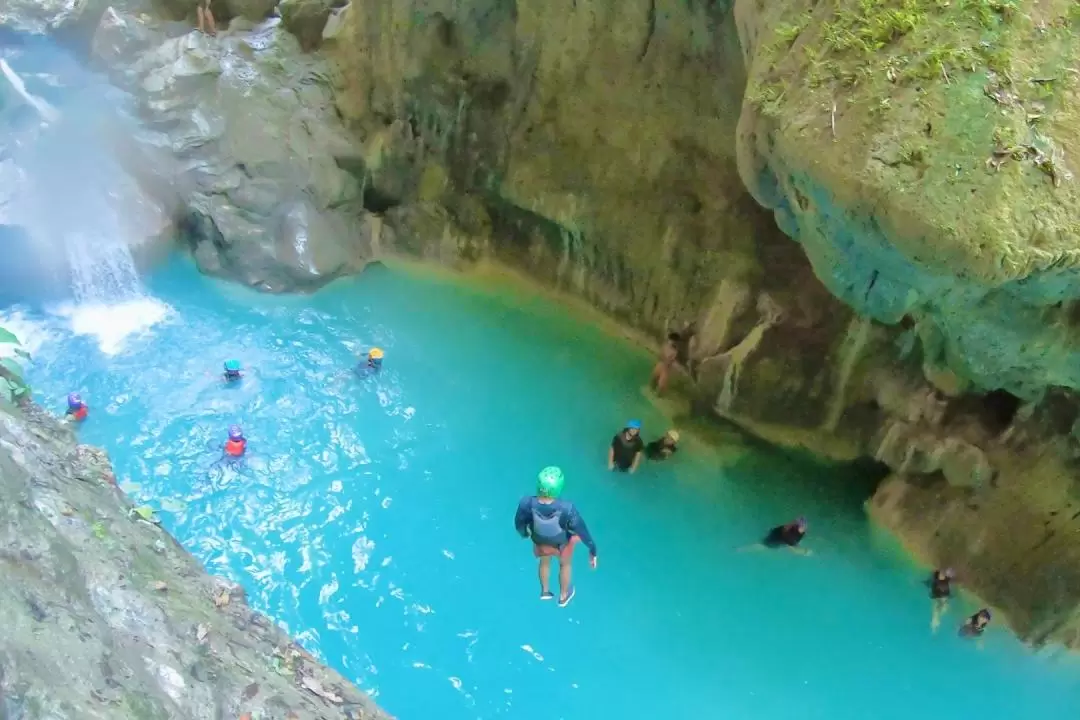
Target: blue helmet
[(236, 432), (633, 424), (232, 366), (74, 401)]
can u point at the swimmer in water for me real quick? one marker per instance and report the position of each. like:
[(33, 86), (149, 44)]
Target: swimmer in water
[(940, 592), (663, 448), (77, 410), (975, 625), (372, 364), (785, 536), (236, 445), (232, 371), (624, 453), (555, 528)]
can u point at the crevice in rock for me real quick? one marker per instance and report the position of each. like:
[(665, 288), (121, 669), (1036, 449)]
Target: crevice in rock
[(651, 23), (376, 201)]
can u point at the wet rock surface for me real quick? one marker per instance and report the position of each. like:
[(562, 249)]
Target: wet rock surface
[(238, 135), (106, 616)]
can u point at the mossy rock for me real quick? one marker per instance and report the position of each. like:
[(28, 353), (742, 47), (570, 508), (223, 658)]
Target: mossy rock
[(954, 115)]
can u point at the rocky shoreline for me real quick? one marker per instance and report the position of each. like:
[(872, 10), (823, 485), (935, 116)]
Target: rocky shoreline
[(103, 597), (873, 271)]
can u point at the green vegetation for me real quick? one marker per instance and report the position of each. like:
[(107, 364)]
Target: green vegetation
[(13, 387)]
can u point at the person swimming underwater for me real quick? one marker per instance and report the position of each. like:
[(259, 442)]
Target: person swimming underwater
[(232, 371), (77, 410)]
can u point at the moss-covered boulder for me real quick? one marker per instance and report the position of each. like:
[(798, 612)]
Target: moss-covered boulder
[(919, 150)]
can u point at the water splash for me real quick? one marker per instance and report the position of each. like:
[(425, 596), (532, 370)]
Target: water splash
[(112, 324)]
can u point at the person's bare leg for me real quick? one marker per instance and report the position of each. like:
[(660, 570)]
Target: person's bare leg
[(662, 380), (201, 23), (565, 571), (210, 24), (545, 574)]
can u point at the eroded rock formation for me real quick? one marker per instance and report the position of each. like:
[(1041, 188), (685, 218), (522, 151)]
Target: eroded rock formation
[(106, 616), (911, 299)]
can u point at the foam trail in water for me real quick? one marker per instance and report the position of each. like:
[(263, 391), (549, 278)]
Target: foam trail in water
[(112, 323)]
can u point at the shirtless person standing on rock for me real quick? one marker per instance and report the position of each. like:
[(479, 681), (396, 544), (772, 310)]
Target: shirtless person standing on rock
[(205, 18)]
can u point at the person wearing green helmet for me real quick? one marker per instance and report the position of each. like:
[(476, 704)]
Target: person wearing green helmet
[(555, 527)]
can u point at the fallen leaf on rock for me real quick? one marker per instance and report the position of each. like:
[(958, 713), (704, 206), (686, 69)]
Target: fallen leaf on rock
[(292, 716), (201, 632), (67, 511), (222, 600), (251, 691), (159, 586), (245, 716), (312, 685)]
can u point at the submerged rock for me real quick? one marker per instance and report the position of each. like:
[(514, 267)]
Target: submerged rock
[(106, 616)]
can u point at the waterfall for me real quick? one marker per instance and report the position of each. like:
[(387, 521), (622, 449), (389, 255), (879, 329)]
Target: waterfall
[(77, 209)]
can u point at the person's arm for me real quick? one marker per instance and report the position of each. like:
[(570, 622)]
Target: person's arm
[(523, 517), (611, 457), (575, 525)]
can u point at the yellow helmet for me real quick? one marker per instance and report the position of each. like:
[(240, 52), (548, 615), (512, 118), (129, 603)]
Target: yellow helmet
[(375, 354)]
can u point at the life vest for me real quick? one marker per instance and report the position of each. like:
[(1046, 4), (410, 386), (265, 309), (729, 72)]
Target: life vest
[(235, 448), (80, 413), (548, 530)]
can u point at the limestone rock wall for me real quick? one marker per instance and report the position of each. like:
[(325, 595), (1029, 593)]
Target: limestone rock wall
[(106, 616)]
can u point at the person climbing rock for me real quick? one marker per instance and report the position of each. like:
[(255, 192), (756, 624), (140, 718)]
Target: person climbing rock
[(684, 345), (976, 624), (785, 536), (662, 370), (940, 592), (555, 527), (236, 445), (205, 18), (663, 447), (624, 454), (77, 410), (233, 371)]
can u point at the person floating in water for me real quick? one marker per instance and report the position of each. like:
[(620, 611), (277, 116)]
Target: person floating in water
[(624, 454), (785, 536), (664, 447), (77, 410), (940, 592), (373, 363), (236, 445), (976, 624), (232, 371), (555, 527)]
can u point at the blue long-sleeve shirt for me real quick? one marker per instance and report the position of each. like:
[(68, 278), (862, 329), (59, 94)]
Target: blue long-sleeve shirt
[(570, 521)]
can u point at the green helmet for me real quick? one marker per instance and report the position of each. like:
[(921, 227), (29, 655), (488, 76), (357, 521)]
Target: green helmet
[(549, 482)]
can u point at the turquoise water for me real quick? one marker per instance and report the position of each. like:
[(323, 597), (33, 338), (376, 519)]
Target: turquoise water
[(374, 516)]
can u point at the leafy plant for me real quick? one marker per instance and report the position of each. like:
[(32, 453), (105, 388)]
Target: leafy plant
[(12, 385)]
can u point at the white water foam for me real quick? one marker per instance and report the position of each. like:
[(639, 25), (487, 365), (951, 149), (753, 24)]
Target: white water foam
[(112, 324)]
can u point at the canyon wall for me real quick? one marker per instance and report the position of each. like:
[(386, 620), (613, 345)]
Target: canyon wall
[(867, 213), (106, 616)]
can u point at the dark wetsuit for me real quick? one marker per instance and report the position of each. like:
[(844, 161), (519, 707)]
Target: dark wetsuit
[(659, 450), (232, 375), (625, 451), (939, 587), (970, 629), (784, 535)]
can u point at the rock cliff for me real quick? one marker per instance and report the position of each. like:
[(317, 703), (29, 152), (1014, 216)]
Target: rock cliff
[(106, 616), (911, 298)]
